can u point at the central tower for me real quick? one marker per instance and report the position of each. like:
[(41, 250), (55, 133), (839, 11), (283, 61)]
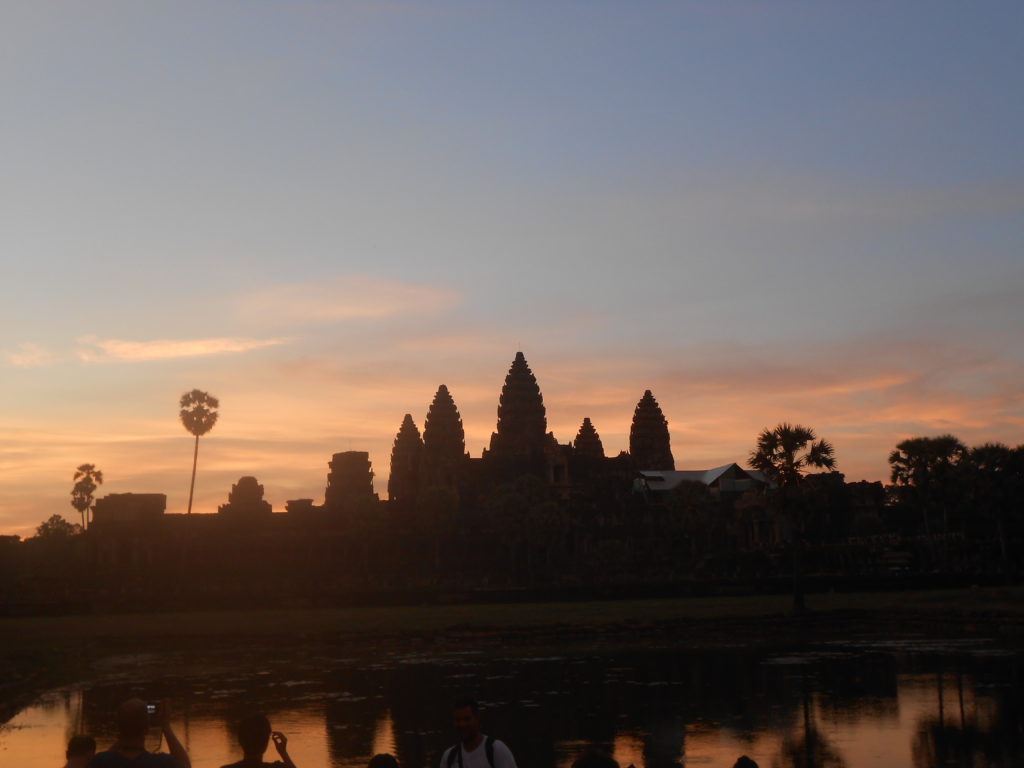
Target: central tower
[(522, 421)]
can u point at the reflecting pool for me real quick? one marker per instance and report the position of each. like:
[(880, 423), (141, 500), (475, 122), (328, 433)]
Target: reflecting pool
[(889, 705)]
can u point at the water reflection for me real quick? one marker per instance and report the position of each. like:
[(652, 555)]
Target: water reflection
[(832, 708)]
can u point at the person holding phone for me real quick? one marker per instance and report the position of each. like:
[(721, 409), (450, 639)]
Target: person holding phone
[(134, 718), (254, 734)]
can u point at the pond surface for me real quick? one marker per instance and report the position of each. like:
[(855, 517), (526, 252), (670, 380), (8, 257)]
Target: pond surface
[(887, 705)]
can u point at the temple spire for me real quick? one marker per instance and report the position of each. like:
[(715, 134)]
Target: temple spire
[(406, 455), (444, 440), (522, 420), (648, 436), (588, 443)]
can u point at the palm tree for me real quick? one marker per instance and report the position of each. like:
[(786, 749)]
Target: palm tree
[(86, 479), (784, 454), (995, 473), (198, 414), (926, 470)]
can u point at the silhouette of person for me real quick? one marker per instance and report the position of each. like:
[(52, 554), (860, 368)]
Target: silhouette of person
[(253, 735), (475, 749), (593, 757), (80, 751), (383, 761), (745, 762), (129, 751)]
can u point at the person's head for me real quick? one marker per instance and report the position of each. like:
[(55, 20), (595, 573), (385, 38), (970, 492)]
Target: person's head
[(383, 761), (467, 719), (254, 734), (745, 762), (593, 757), (132, 720), (81, 746)]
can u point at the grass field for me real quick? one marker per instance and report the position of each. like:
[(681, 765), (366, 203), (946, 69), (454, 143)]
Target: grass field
[(356, 622)]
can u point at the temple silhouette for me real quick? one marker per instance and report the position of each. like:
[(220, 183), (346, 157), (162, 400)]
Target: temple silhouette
[(529, 516), (521, 446)]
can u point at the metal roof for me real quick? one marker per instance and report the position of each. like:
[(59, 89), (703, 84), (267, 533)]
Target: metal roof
[(667, 480)]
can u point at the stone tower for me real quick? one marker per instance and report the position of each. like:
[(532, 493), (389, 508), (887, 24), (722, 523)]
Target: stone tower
[(246, 499), (350, 479), (522, 420), (588, 443), (406, 455), (648, 437), (444, 441)]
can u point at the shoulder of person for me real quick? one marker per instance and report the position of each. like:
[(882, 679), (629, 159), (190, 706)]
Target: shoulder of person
[(503, 754), (159, 760)]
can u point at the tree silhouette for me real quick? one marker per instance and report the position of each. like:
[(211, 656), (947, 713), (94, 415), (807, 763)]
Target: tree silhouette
[(86, 479), (784, 454), (56, 527), (198, 414), (926, 472), (995, 475)]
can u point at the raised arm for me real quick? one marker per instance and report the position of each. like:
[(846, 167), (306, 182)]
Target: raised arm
[(281, 745), (173, 745)]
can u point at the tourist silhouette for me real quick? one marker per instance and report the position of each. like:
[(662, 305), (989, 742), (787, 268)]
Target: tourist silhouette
[(80, 751), (133, 718), (383, 761), (474, 749), (254, 735)]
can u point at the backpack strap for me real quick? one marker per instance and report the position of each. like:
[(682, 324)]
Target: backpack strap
[(455, 753)]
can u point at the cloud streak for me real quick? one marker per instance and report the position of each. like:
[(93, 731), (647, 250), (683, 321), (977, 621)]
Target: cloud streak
[(345, 298), (29, 355), (95, 350)]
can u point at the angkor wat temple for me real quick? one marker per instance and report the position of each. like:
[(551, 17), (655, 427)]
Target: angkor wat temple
[(529, 513), (436, 460)]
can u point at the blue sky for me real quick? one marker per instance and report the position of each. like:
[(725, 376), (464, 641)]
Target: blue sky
[(319, 211)]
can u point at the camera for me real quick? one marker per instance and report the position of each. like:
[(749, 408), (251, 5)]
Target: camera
[(152, 708)]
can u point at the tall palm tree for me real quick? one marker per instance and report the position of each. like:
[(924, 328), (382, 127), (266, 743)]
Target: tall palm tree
[(86, 480), (995, 479), (926, 470), (785, 454), (198, 414)]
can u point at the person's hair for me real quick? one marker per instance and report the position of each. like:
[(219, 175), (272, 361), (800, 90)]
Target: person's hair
[(745, 762), (464, 702), (254, 733), (81, 745), (593, 757), (383, 761), (132, 719)]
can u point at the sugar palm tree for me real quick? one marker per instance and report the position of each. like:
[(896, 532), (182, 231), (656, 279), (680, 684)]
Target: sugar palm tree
[(86, 480), (198, 414), (927, 474), (785, 454), (995, 475)]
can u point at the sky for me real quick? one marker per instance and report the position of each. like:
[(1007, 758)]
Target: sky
[(318, 211)]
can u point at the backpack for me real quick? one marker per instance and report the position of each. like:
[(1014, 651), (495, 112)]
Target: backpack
[(455, 753)]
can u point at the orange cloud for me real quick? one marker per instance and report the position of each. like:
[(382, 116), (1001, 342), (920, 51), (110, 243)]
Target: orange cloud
[(29, 355), (92, 349)]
